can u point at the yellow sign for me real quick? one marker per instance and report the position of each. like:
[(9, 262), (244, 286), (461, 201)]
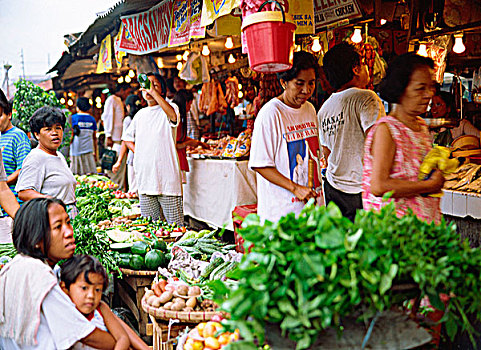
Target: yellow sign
[(119, 54), (104, 64), (303, 13), (213, 9)]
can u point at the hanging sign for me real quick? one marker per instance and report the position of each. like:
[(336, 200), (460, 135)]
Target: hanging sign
[(212, 9), (126, 42), (196, 30), (303, 13), (150, 29), (119, 54), (104, 63), (180, 23), (330, 11)]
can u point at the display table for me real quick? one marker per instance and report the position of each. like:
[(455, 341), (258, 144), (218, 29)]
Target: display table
[(215, 187), (464, 208)]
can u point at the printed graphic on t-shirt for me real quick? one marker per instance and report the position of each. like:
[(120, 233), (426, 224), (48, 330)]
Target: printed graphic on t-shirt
[(303, 145), (330, 125)]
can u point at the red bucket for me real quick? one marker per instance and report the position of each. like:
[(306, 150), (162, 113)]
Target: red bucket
[(270, 40)]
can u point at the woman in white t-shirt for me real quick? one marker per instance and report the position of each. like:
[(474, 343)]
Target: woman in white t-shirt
[(284, 142), (34, 312)]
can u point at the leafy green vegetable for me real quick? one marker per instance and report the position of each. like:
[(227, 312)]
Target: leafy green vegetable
[(306, 273)]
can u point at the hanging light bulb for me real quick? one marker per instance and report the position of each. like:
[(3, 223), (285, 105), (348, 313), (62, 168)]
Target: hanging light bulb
[(240, 94), (131, 73), (179, 65), (205, 50), (316, 45), (160, 62), (62, 101), (128, 79), (458, 43), (422, 51), (185, 56), (120, 80), (357, 35), (231, 59), (70, 102), (383, 21), (98, 105), (239, 86), (91, 102), (178, 57), (229, 44), (98, 99)]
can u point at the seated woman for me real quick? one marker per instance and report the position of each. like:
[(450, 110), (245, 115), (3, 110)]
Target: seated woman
[(443, 106), (34, 312), (45, 172), (397, 144)]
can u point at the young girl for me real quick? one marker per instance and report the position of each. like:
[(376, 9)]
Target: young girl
[(83, 279)]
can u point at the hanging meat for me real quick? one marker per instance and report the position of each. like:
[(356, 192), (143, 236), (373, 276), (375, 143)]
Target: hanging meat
[(232, 91), (212, 98)]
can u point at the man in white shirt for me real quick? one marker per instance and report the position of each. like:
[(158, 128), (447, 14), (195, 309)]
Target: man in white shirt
[(344, 121), (151, 136), (112, 119)]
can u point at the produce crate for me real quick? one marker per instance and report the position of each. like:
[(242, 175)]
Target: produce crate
[(129, 290), (238, 215), (160, 333)]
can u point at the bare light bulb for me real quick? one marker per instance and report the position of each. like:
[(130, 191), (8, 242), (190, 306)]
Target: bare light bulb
[(231, 59), (62, 101), (70, 102), (98, 105), (458, 43), (98, 99), (128, 79), (179, 65), (131, 73), (229, 44), (422, 51), (316, 45), (383, 21), (240, 94), (239, 86), (185, 56), (91, 102), (205, 50), (178, 57), (160, 62), (357, 35), (120, 80)]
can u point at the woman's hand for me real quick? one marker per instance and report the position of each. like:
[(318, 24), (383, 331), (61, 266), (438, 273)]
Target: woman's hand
[(116, 167), (303, 193), (437, 181)]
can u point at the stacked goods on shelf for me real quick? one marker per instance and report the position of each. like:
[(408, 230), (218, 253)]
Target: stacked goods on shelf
[(306, 273), (226, 147), (466, 178)]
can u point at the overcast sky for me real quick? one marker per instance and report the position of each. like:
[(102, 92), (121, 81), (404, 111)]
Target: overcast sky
[(38, 27)]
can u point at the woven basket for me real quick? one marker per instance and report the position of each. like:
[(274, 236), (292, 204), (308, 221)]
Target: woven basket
[(137, 272), (182, 316)]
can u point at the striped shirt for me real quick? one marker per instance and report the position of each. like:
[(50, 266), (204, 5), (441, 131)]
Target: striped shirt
[(15, 146)]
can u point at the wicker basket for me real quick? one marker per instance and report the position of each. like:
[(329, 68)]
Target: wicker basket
[(182, 316), (158, 341)]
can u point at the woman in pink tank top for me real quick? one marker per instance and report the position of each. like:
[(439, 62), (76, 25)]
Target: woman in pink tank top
[(397, 144)]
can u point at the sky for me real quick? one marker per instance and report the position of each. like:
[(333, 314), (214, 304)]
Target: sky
[(38, 27)]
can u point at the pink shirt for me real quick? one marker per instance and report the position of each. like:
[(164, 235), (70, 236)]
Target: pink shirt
[(411, 148)]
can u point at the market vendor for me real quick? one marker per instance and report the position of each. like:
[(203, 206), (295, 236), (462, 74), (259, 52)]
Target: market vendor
[(443, 106), (45, 172), (397, 144), (42, 317), (284, 141)]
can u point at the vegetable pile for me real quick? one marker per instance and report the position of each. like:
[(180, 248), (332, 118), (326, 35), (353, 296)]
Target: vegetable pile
[(306, 273)]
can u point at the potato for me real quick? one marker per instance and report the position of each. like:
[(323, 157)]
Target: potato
[(180, 302), (176, 299), (191, 302), (177, 307), (150, 300), (168, 305), (156, 302), (148, 294), (194, 291), (165, 297), (182, 289), (188, 309)]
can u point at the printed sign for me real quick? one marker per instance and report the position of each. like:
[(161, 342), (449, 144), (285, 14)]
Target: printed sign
[(303, 13), (126, 42), (330, 11), (196, 30), (119, 54), (149, 30), (180, 23), (212, 9), (104, 63)]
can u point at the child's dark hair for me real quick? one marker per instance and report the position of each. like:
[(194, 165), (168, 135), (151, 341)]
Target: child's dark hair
[(83, 104), (73, 267)]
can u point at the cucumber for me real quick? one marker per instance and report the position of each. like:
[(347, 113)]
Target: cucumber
[(211, 267), (187, 243), (229, 247), (215, 273), (206, 249)]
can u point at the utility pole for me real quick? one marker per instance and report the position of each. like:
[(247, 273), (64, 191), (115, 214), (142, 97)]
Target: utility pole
[(6, 82), (23, 64)]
